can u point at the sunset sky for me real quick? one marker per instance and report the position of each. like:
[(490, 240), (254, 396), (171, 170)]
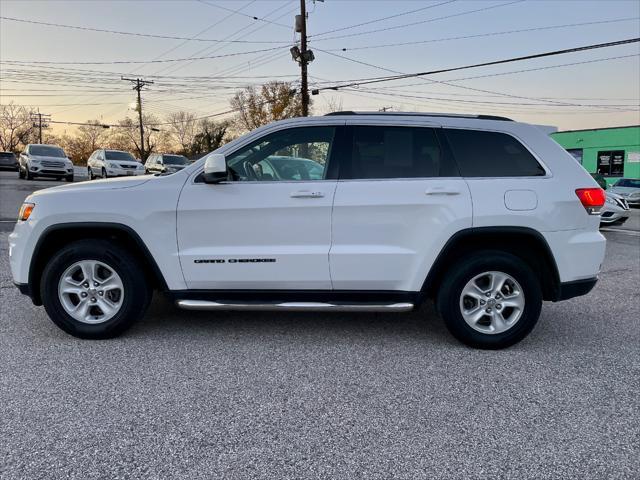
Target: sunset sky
[(80, 79)]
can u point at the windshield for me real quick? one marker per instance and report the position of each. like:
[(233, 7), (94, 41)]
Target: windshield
[(175, 160), (117, 155), (46, 151), (628, 182), (6, 154)]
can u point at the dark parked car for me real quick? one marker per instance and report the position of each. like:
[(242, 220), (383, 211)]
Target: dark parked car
[(8, 161)]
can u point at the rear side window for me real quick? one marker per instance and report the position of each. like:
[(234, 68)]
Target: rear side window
[(395, 152), (491, 154)]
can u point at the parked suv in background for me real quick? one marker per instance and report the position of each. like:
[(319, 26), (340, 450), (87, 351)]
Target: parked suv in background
[(8, 160), (38, 160), (487, 216), (165, 163), (113, 163)]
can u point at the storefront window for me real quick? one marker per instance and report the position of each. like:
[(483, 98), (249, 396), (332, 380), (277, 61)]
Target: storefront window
[(611, 163), (576, 153)]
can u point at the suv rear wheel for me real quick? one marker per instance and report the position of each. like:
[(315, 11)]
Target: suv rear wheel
[(94, 289), (490, 299)]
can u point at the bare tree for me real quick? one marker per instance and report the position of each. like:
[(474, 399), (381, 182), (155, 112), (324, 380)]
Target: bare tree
[(273, 101), (182, 129), (88, 138), (333, 104), (15, 125), (210, 135), (126, 136)]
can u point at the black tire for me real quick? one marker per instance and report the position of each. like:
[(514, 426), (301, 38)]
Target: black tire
[(20, 173), (69, 178), (104, 173), (90, 173), (137, 293), (27, 174), (449, 297)]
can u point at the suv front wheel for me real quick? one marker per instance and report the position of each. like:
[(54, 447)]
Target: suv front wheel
[(490, 299), (94, 289)]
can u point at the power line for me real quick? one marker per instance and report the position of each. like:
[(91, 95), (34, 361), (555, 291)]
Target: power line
[(384, 18), (118, 62), (288, 27), (482, 35), (467, 12), (477, 65), (135, 34)]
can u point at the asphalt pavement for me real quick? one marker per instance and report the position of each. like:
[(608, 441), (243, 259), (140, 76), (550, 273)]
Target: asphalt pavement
[(199, 395)]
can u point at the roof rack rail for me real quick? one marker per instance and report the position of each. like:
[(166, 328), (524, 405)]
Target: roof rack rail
[(422, 114)]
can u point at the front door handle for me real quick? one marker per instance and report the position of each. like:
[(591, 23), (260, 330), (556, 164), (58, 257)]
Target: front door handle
[(306, 194), (441, 191)]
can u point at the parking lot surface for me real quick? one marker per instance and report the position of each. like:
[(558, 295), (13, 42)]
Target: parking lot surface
[(291, 395)]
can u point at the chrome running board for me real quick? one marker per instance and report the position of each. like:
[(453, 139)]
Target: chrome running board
[(296, 306)]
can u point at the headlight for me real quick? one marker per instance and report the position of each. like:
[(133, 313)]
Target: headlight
[(25, 211), (34, 160), (635, 194), (610, 200), (140, 167), (112, 165)]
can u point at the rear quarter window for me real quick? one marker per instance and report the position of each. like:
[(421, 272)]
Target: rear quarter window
[(491, 154)]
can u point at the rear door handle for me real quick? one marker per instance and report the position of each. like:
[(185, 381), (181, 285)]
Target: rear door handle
[(306, 194), (441, 191)]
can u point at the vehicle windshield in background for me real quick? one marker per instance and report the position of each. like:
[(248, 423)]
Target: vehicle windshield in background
[(628, 182), (6, 155), (46, 151), (116, 155), (175, 160)]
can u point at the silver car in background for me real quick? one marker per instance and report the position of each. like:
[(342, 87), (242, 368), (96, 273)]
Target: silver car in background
[(615, 209), (39, 160), (629, 189)]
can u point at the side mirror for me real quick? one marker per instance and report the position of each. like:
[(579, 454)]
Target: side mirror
[(215, 168)]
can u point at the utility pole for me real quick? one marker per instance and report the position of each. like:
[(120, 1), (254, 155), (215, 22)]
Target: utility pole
[(139, 84), (37, 119), (303, 56)]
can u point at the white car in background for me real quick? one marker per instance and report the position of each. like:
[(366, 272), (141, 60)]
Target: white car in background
[(39, 160), (629, 189), (113, 163)]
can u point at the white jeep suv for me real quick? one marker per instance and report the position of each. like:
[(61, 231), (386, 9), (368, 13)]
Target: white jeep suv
[(487, 216)]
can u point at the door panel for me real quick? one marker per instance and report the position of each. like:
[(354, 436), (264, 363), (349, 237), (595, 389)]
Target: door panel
[(252, 235), (388, 233)]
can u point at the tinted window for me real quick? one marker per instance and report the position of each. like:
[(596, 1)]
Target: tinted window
[(117, 155), (491, 154), (175, 160), (6, 154), (46, 151), (293, 154), (628, 182), (395, 152)]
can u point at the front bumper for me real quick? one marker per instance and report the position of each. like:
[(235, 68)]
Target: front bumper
[(9, 166), (43, 171), (124, 172)]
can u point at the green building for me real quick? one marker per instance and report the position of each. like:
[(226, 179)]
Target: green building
[(612, 152)]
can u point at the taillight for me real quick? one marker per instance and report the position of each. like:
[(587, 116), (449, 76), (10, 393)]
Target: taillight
[(592, 199)]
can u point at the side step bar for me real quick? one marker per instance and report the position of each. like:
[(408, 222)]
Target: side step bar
[(296, 306)]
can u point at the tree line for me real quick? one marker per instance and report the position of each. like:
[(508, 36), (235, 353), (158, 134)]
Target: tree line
[(180, 132)]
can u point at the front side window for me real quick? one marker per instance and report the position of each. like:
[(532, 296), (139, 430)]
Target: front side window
[(395, 152), (297, 154), (491, 154), (611, 163)]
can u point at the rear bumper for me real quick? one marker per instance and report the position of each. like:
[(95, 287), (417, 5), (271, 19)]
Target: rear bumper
[(577, 288)]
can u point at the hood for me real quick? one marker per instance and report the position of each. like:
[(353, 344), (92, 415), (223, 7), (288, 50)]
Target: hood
[(106, 184), (48, 159), (613, 195)]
